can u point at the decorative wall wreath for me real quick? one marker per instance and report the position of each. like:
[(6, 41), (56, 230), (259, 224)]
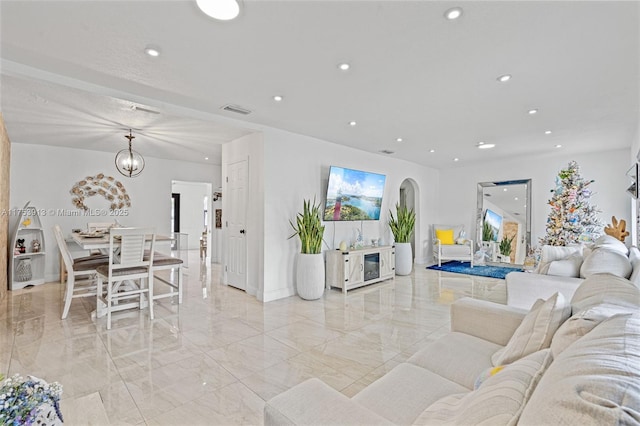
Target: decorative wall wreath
[(106, 186)]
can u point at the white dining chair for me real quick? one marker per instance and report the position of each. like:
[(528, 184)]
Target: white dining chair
[(128, 274), (81, 279)]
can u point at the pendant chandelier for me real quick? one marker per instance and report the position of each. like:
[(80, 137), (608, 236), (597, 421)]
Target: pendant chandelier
[(129, 162)]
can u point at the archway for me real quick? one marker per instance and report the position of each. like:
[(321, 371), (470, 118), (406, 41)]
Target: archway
[(409, 197)]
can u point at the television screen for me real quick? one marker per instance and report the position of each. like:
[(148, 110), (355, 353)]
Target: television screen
[(353, 195), (494, 220)]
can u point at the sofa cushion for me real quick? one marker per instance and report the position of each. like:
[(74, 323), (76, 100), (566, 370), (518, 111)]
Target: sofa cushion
[(535, 331), (611, 243), (583, 322), (498, 401), (634, 258), (569, 267), (605, 288), (404, 392), (602, 260), (457, 357), (595, 381), (445, 236), (549, 254)]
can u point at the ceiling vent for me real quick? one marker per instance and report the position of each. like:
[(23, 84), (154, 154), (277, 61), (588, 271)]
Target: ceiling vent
[(386, 151), (236, 109)]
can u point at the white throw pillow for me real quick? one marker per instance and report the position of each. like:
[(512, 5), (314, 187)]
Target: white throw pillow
[(498, 401), (605, 288), (634, 258), (583, 322), (549, 254), (602, 260), (536, 330), (569, 267), (611, 243)]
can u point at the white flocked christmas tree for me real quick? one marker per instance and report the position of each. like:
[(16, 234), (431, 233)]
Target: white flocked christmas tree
[(573, 220)]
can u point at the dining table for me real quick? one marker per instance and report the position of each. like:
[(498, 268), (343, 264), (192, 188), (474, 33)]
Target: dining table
[(100, 241)]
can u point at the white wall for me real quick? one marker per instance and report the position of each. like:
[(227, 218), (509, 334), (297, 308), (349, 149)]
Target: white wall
[(457, 198), (45, 174), (297, 168), (192, 195)]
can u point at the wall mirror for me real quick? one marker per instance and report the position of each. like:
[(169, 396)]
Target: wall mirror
[(504, 210)]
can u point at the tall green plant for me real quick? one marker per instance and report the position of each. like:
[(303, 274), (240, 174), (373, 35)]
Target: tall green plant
[(402, 227), (505, 245), (487, 232), (309, 228)]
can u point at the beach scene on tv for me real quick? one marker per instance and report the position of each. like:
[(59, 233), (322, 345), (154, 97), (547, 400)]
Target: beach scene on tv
[(353, 195)]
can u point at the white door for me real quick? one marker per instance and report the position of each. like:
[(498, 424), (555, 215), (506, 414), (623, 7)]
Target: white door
[(236, 225)]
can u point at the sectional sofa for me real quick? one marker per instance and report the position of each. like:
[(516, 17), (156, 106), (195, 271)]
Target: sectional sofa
[(561, 362)]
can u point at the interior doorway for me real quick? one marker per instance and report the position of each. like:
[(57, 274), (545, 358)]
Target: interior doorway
[(407, 199), (191, 207)]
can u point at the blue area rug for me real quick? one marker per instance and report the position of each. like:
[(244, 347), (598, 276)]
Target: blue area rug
[(481, 271)]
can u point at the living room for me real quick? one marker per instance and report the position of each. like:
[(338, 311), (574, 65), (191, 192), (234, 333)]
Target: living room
[(287, 164)]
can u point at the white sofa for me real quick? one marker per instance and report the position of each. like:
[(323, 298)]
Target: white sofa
[(563, 269), (563, 380)]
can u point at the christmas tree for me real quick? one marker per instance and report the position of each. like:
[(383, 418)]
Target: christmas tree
[(573, 219)]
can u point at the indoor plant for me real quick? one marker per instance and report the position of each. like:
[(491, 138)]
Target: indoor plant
[(310, 262), (402, 229)]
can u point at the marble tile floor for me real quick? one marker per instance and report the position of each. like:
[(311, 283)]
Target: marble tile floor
[(220, 355)]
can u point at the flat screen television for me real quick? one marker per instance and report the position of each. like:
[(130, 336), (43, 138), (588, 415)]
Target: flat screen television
[(494, 220), (353, 195)]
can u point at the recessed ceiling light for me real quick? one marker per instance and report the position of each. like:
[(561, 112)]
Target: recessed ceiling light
[(558, 146), (277, 98), (453, 13), (482, 145), (547, 132), (456, 159), (206, 158), (344, 66), (504, 78), (398, 139), (532, 111), (352, 123), (432, 150), (223, 10), (505, 189), (152, 51), (515, 198)]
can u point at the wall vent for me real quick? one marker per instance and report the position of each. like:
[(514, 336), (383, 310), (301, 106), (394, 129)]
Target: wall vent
[(236, 109), (386, 151)]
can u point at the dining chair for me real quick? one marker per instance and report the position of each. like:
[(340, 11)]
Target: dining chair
[(81, 279), (128, 274), (163, 262)]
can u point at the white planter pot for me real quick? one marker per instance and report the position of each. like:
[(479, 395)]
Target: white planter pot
[(404, 258), (310, 276)]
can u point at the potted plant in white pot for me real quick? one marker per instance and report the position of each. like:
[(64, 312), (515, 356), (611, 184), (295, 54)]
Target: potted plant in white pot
[(309, 262), (402, 229)]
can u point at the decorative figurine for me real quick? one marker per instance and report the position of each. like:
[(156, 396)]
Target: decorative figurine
[(20, 245), (35, 246)]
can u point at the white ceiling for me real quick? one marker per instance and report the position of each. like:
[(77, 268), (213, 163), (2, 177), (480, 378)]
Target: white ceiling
[(71, 70)]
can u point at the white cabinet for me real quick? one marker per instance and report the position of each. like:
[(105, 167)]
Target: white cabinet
[(27, 249), (355, 268)]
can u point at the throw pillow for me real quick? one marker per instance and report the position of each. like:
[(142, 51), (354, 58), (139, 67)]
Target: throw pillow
[(498, 401), (611, 243), (445, 236), (583, 322), (605, 288), (536, 330), (602, 260), (634, 258), (550, 253), (489, 372), (569, 267)]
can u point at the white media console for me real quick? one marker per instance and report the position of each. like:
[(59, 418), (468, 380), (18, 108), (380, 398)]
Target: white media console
[(355, 268)]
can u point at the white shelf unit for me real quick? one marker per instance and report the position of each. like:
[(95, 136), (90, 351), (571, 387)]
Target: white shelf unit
[(27, 226), (359, 267)]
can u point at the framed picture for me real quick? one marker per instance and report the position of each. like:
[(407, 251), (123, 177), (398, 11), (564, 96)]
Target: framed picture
[(218, 218)]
